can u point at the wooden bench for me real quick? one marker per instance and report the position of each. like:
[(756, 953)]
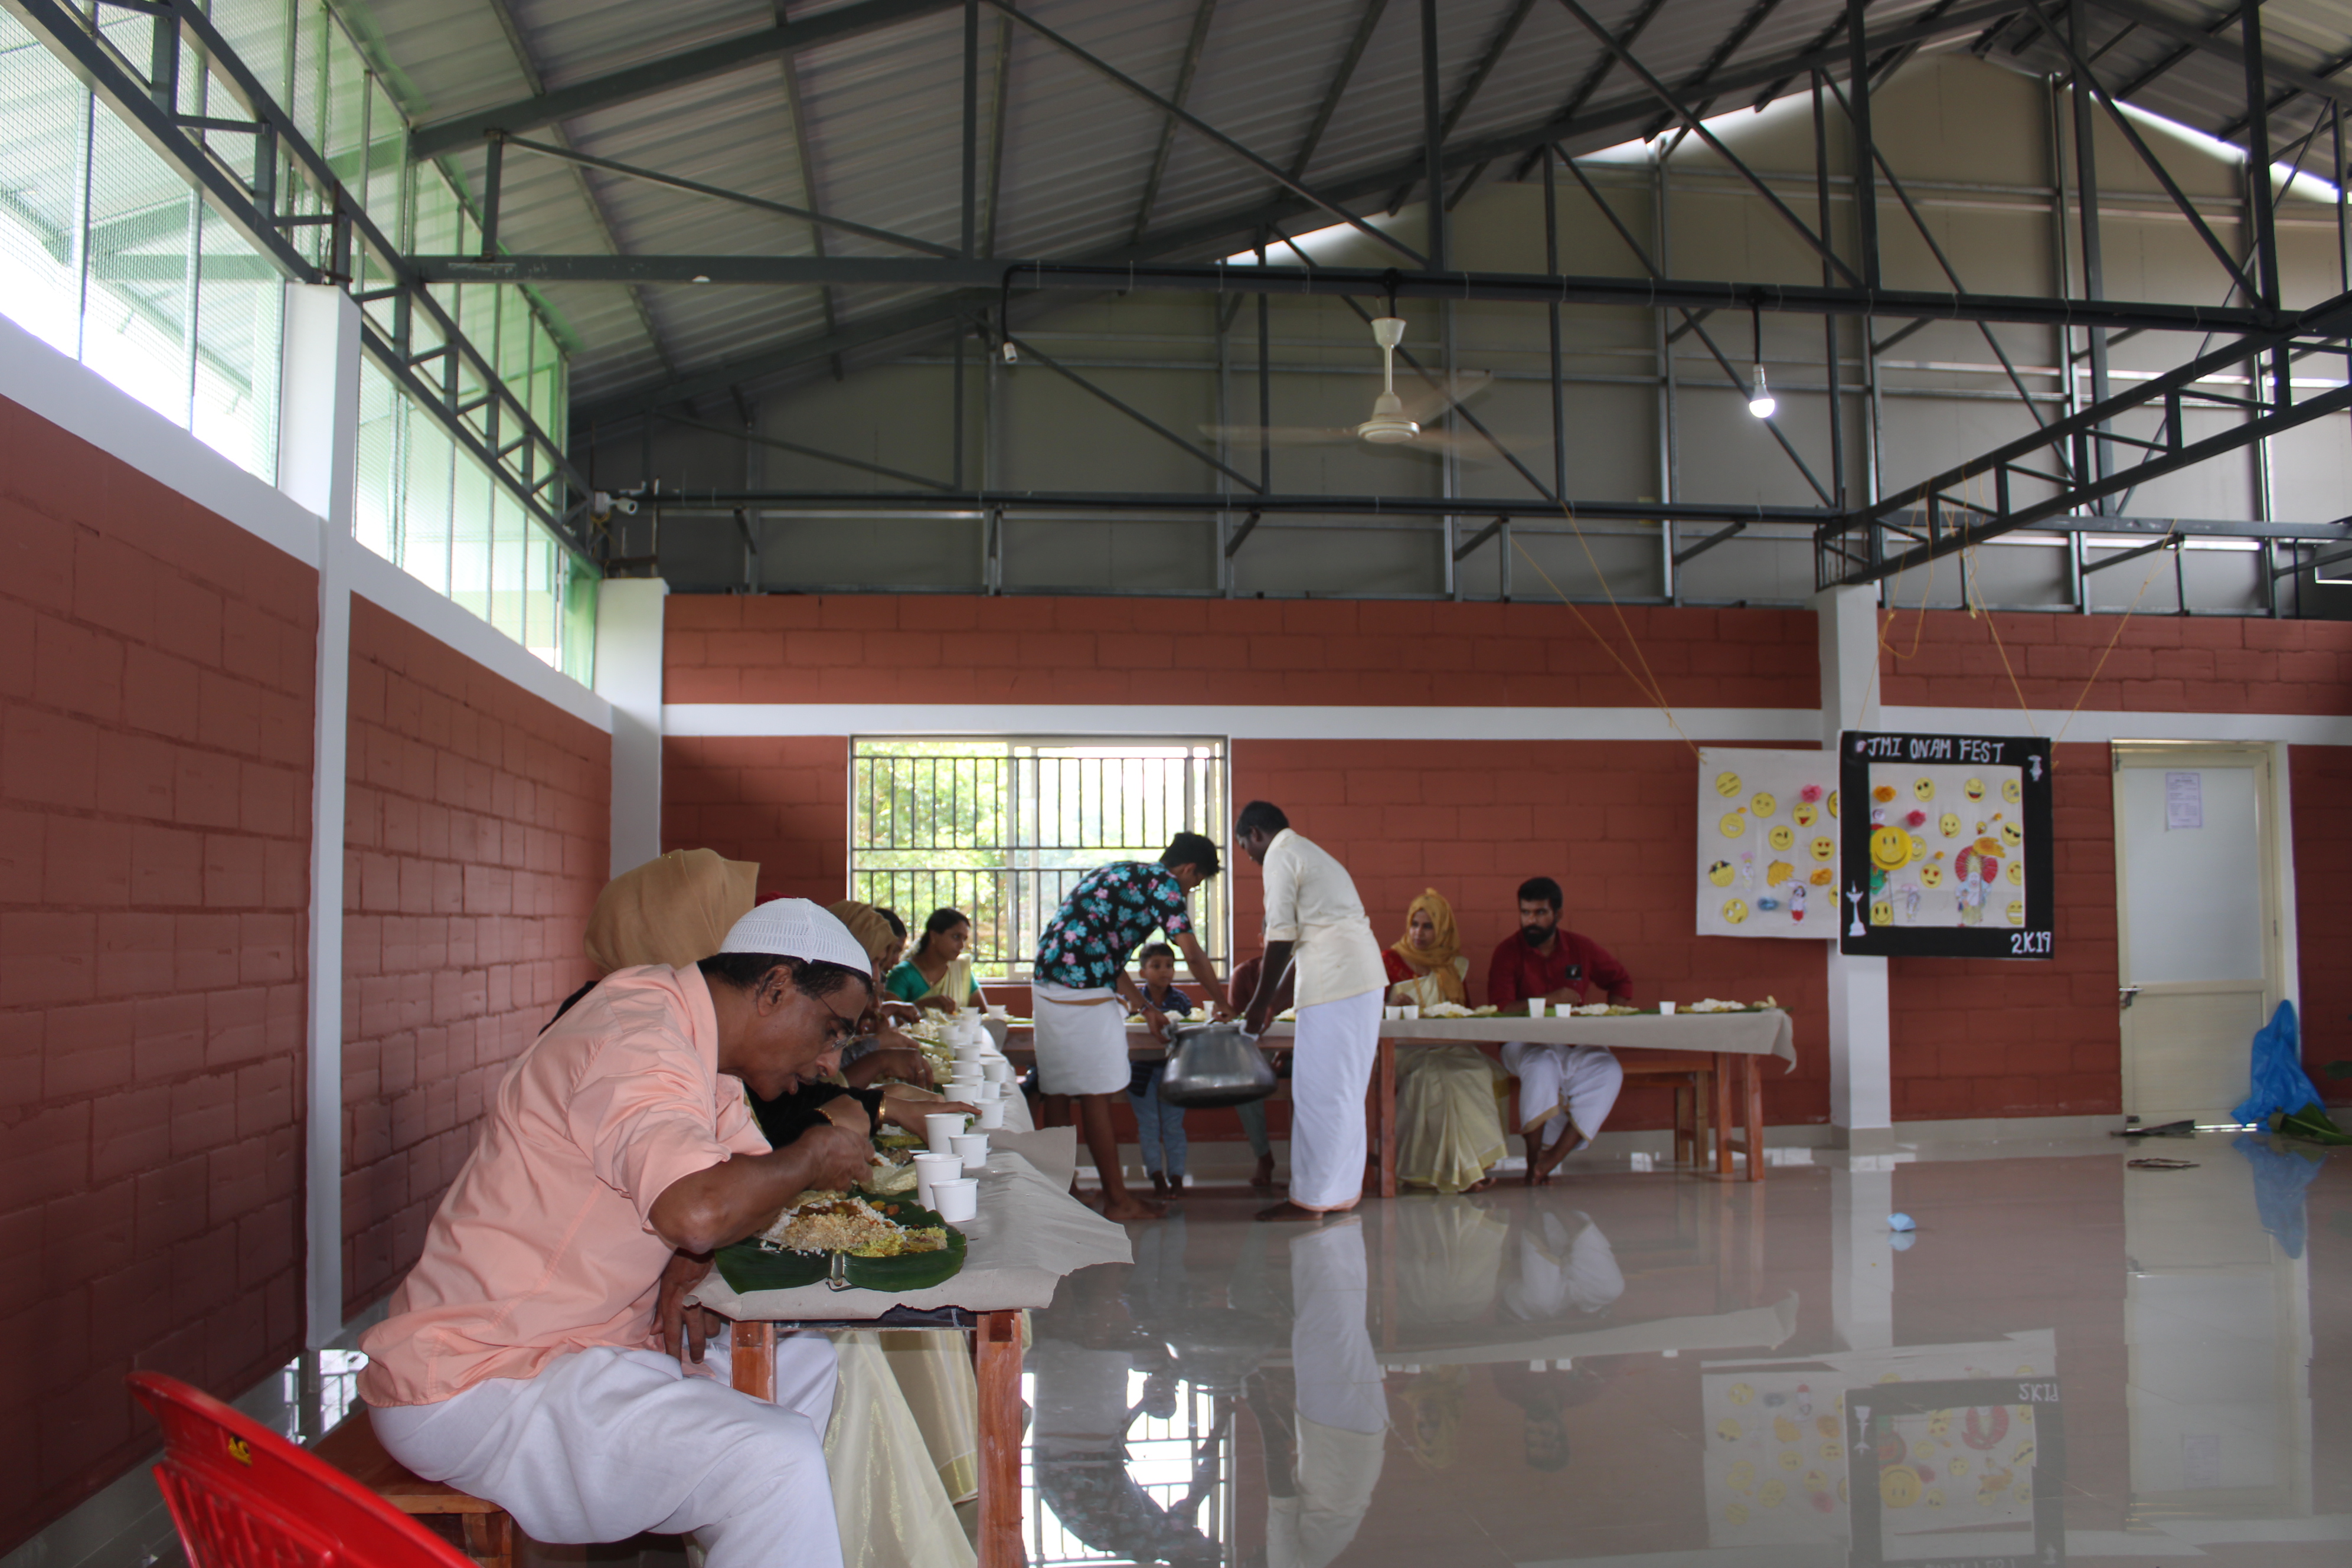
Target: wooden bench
[(486, 1532)]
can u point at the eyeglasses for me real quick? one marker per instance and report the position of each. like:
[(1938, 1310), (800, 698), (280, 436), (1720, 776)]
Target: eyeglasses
[(844, 1026)]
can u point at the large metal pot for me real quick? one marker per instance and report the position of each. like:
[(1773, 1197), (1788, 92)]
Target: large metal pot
[(1214, 1064)]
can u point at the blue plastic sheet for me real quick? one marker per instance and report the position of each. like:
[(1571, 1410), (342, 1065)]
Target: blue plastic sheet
[(2280, 1177), (2280, 1083)]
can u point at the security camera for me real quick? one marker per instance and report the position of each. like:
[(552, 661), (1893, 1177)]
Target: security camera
[(1012, 355), (625, 505)]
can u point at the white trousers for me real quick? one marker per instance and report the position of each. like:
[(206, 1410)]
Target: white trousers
[(1560, 1271), (1563, 1083), (1336, 1044), (606, 1442), (1343, 1412)]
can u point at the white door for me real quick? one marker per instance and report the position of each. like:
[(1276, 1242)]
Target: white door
[(2198, 907)]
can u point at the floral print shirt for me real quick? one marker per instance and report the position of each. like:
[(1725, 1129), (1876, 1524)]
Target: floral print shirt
[(1106, 916)]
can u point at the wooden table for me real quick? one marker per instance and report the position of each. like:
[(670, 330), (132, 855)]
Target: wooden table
[(1710, 1057), (1028, 1226)]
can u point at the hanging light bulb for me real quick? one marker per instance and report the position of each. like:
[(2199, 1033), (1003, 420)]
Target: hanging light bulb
[(1761, 401)]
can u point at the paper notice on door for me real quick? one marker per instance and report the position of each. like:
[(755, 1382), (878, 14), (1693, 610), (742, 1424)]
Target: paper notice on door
[(2184, 801)]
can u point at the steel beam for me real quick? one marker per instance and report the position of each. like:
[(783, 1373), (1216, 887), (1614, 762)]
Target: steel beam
[(1178, 113), (1146, 502), (1184, 73), (1338, 87), (464, 131), (2194, 36)]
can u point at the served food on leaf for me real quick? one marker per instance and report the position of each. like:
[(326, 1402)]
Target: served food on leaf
[(844, 1222), (1447, 1010)]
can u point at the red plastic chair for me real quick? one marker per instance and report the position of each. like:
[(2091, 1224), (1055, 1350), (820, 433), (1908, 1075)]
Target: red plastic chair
[(246, 1498)]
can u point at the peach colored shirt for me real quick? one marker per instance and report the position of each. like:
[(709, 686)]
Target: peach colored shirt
[(542, 1244)]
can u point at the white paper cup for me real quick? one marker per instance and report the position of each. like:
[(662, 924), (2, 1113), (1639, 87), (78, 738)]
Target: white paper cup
[(996, 1010), (1391, 1014), (992, 1116), (997, 1070), (956, 1200), (973, 1147), (1536, 1005), (1410, 1010), (938, 1128), (1665, 1009), (931, 1170)]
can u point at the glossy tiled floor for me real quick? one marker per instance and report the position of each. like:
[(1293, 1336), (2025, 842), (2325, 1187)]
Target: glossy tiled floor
[(2069, 1361)]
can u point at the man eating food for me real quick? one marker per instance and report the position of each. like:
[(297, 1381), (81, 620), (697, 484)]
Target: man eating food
[(536, 1356)]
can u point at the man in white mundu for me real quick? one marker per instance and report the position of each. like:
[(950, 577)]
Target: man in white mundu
[(1315, 922)]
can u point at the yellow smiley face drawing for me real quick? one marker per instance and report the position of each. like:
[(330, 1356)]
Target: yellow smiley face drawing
[(1834, 794), (2016, 912), (1948, 825), (1772, 1493), (2016, 875), (2011, 835), (1740, 1393), (1726, 785), (1882, 913), (1918, 847), (1824, 849), (2012, 791), (1789, 1460), (1735, 1513), (1741, 1476), (1804, 813), (1898, 1486), (1890, 848), (1784, 1429), (1762, 804), (1782, 836), (1720, 873), (1973, 789), (1734, 824), (1735, 910), (1728, 1430), (1924, 789), (1931, 875)]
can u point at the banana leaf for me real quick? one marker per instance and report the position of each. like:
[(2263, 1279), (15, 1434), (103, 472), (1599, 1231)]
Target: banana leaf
[(748, 1266), (2312, 1124)]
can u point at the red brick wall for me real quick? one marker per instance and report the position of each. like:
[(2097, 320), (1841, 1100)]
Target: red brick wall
[(475, 845), (1613, 822), (2160, 664), (1976, 1038), (156, 666), (783, 803), (2320, 784), (937, 649)]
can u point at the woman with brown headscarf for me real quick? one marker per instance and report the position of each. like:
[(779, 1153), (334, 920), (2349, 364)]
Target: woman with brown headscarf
[(1449, 1116)]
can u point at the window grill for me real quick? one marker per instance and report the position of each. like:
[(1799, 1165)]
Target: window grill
[(1004, 828)]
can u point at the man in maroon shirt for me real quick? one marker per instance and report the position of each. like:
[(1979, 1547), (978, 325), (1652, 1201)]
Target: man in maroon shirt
[(1565, 1091)]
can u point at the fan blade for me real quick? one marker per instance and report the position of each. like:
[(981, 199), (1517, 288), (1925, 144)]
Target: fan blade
[(1425, 403), (1281, 436), (1472, 448)]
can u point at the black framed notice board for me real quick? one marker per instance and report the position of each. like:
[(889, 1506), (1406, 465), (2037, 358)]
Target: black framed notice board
[(1944, 846)]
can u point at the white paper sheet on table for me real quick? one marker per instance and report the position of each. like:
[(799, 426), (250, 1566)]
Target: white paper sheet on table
[(1028, 1233)]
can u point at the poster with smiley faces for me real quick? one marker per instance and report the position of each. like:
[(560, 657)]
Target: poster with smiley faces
[(1768, 825), (1946, 849)]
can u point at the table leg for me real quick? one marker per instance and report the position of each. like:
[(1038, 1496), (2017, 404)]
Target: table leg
[(1387, 1061), (755, 1359), (1723, 1070), (1752, 1088), (996, 1363), (1685, 1117)]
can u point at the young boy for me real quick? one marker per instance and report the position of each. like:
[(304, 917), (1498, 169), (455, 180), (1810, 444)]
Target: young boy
[(1160, 1126)]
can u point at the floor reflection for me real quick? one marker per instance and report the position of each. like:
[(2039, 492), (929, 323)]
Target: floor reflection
[(2069, 1361)]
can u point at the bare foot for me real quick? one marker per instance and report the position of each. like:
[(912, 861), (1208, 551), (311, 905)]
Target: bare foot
[(1540, 1168), (1263, 1180), (1480, 1186), (1286, 1210), (1132, 1210)]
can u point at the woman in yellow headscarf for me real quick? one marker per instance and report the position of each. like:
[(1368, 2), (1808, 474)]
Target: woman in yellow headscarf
[(1449, 1112)]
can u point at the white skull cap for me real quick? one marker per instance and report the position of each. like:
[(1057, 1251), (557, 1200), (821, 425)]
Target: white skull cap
[(797, 927)]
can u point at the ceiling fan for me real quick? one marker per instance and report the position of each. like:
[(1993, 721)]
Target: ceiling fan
[(1395, 422)]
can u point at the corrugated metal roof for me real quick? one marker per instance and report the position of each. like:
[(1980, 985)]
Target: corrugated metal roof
[(884, 112)]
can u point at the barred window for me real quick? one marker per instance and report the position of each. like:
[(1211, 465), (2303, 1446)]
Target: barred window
[(1001, 829)]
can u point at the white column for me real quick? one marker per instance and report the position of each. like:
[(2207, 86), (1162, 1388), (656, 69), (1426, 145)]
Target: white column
[(629, 676), (1860, 1084), (318, 460)]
